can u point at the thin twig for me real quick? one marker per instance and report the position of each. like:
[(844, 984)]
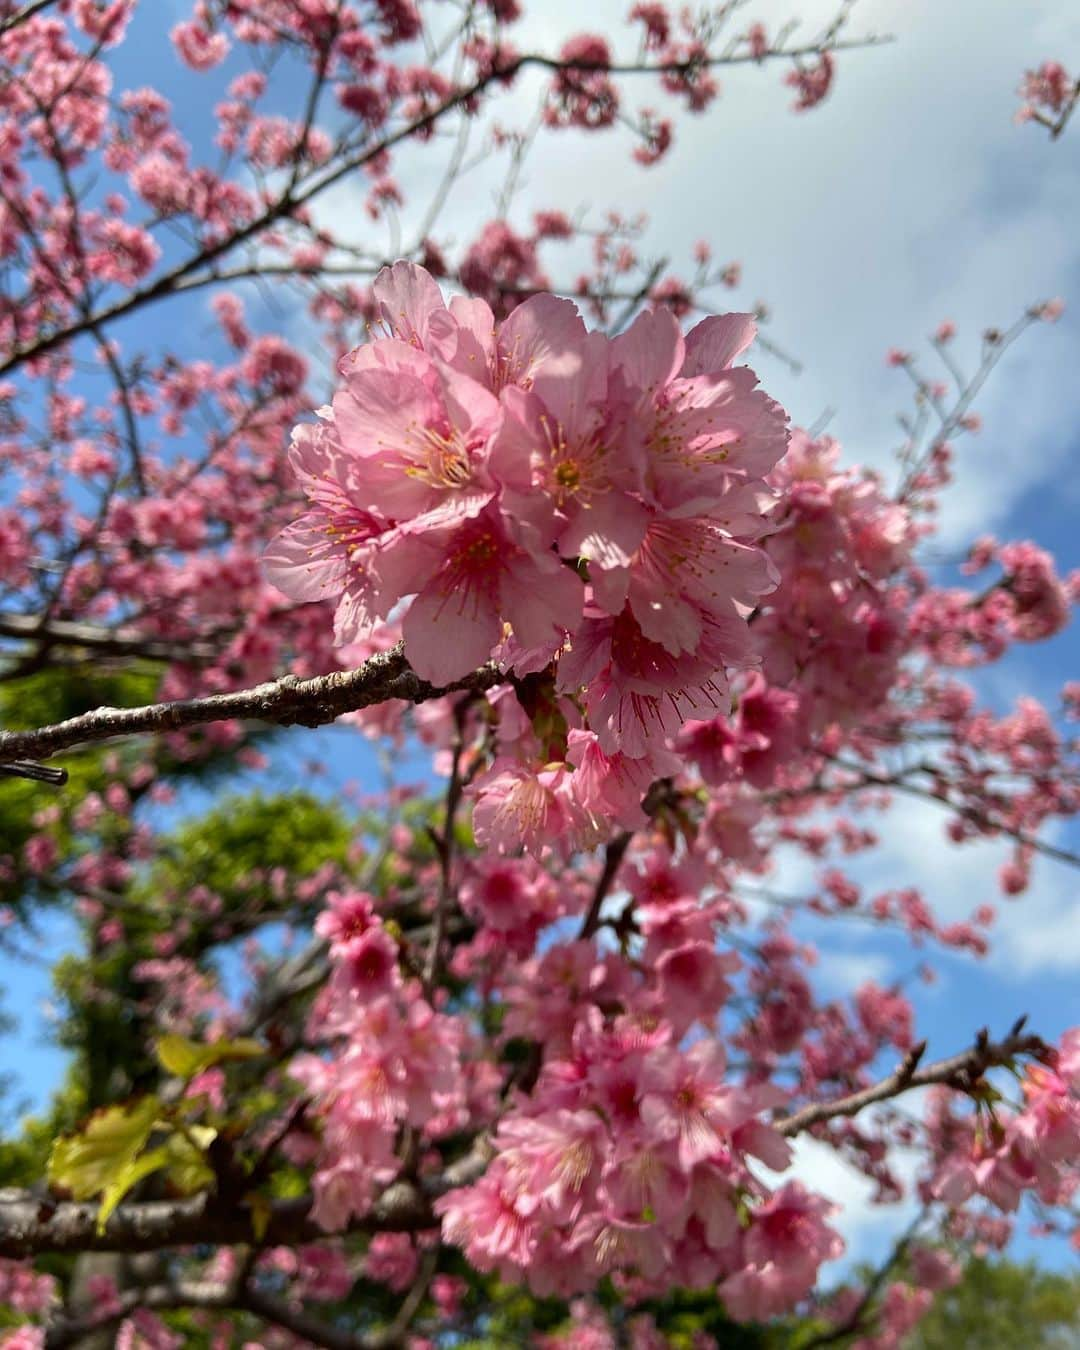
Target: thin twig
[(857, 1319), (444, 844), (975, 814), (613, 856), (21, 15), (961, 1071), (289, 202)]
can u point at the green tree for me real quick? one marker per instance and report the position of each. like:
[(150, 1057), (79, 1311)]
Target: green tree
[(1003, 1305)]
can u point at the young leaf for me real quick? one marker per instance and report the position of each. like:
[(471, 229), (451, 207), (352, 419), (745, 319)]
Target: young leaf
[(188, 1170), (125, 1178), (87, 1163), (184, 1059)]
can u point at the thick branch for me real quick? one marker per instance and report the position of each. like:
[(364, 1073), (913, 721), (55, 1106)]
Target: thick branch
[(288, 701), (30, 1224)]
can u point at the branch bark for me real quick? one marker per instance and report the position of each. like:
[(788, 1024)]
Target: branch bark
[(65, 633), (70, 1331), (287, 701), (863, 1313), (899, 783), (614, 853), (21, 16), (31, 1224), (280, 1312)]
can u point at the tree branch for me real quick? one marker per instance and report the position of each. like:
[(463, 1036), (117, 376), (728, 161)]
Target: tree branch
[(862, 1313), (898, 783), (232, 1297), (292, 1317), (30, 1224), (288, 701), (65, 633), (27, 12), (444, 844), (960, 1071), (613, 856), (69, 1331)]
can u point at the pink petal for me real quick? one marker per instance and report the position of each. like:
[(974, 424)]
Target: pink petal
[(475, 351), (665, 617), (358, 613), (407, 297), (404, 562), (608, 531), (650, 352), (542, 604), (575, 393), (715, 342), (382, 409), (469, 405), (304, 562), (541, 344), (449, 635)]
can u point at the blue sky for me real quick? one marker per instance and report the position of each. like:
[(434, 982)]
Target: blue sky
[(908, 198)]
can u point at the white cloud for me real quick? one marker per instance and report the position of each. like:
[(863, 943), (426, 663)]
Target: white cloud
[(1039, 933), (843, 971)]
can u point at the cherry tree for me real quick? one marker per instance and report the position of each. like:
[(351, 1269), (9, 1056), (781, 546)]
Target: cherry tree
[(348, 1063)]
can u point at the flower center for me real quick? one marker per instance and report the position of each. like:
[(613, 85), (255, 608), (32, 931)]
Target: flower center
[(444, 461), (481, 550), (686, 1098), (568, 475)]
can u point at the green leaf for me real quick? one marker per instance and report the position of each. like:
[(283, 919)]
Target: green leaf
[(188, 1169), (184, 1059), (127, 1176), (261, 1210), (87, 1163)]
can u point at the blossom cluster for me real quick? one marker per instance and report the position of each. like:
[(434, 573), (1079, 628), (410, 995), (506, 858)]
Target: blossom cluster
[(1029, 602), (631, 1158), (1047, 93), (399, 1064), (835, 629), (543, 494), (999, 1153), (637, 1151)]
